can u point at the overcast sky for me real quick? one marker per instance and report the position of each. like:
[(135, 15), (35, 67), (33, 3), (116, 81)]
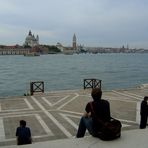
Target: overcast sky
[(95, 22)]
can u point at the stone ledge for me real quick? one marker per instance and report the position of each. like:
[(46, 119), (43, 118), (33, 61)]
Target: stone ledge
[(129, 139)]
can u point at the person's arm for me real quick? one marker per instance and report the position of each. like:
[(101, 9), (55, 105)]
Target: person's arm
[(17, 136), (87, 114), (109, 115), (30, 137)]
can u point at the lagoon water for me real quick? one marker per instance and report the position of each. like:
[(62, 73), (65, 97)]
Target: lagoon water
[(62, 72)]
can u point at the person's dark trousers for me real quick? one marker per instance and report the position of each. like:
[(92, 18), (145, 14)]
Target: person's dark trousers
[(85, 123), (143, 121)]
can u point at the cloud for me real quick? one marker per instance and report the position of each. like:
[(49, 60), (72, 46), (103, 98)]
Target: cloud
[(94, 21)]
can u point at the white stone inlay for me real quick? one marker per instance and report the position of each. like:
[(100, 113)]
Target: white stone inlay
[(127, 95), (28, 104), (56, 122), (2, 132), (61, 100), (50, 104), (138, 112), (44, 125), (68, 101), (69, 121)]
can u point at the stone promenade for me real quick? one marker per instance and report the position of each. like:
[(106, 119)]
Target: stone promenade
[(55, 115)]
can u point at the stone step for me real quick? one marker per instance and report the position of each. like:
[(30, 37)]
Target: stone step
[(129, 139)]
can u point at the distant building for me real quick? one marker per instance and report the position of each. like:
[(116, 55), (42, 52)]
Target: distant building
[(74, 42), (60, 46), (31, 40)]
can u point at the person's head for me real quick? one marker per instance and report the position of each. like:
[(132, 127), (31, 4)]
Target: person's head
[(96, 94), (22, 123), (146, 98)]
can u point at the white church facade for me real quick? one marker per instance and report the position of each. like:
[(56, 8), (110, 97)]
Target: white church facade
[(31, 40)]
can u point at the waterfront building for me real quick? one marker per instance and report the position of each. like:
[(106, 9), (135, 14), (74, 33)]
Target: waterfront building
[(14, 51), (31, 40), (74, 42), (60, 46)]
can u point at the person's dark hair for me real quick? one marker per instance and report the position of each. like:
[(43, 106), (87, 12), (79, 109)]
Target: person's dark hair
[(23, 123), (145, 98), (96, 94)]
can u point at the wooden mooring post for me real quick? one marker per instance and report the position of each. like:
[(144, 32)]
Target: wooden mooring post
[(37, 86), (92, 83)]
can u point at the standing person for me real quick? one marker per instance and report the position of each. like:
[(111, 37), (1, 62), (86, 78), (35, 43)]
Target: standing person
[(23, 134), (144, 112), (88, 121)]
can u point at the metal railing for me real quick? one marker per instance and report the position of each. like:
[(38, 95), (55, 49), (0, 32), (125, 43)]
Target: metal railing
[(37, 86), (92, 83)]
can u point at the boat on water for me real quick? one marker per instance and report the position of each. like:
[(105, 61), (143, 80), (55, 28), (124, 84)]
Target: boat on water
[(32, 54)]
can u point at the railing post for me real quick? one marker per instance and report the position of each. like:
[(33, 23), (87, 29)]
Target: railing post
[(31, 88), (42, 87), (84, 83), (93, 83)]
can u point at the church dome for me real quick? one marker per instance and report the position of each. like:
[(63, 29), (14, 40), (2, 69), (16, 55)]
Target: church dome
[(31, 40), (29, 37)]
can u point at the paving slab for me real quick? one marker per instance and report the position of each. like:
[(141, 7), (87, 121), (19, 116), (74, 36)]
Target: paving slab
[(55, 115)]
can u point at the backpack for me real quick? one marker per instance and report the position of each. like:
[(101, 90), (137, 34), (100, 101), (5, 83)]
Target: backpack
[(110, 130)]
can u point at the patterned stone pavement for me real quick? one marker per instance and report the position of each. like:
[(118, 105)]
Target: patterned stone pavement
[(55, 115)]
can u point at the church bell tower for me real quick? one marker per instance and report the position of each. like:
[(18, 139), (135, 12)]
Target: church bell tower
[(74, 43)]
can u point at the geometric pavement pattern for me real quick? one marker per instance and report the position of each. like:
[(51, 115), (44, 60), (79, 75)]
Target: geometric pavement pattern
[(56, 115)]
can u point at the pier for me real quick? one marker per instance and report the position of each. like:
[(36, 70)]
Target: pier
[(55, 115)]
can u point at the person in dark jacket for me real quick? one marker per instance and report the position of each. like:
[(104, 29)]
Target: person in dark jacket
[(88, 121), (23, 134), (144, 112)]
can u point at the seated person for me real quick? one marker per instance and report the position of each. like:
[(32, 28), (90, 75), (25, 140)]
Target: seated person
[(101, 108), (23, 134)]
